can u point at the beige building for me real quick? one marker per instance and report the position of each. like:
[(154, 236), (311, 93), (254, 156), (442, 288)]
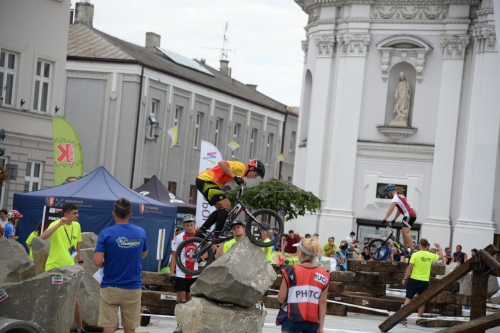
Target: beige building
[(32, 86)]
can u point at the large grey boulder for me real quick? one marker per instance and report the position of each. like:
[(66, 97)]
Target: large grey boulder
[(89, 293), (89, 240), (47, 299), (466, 285), (241, 276), (16, 264), (201, 315)]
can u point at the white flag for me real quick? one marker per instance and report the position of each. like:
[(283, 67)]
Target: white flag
[(233, 145)]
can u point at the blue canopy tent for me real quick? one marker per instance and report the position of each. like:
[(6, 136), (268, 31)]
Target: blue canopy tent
[(95, 195)]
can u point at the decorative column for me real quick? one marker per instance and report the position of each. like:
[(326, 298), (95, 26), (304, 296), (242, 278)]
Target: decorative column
[(438, 221), (337, 216), (475, 227)]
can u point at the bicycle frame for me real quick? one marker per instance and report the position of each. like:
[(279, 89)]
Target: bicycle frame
[(399, 246)]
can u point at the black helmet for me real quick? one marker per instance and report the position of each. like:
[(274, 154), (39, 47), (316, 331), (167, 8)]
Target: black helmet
[(237, 223), (259, 167)]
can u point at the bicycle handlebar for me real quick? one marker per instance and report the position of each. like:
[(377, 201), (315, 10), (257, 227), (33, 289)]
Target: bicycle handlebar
[(240, 191)]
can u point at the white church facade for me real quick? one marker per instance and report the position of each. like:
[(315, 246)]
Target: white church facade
[(404, 92)]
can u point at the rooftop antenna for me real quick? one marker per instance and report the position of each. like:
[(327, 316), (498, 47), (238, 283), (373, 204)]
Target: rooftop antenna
[(223, 51)]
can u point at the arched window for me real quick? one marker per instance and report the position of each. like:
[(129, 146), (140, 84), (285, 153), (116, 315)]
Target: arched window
[(403, 48)]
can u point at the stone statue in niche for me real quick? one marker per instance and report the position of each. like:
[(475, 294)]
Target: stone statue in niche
[(402, 102)]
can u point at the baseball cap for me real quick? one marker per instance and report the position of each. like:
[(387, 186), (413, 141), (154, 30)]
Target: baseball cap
[(237, 223)]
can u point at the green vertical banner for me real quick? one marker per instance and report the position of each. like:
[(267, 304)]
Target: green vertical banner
[(68, 157)]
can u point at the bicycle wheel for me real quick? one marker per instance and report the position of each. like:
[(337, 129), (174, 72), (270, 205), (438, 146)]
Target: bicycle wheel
[(378, 249), (264, 220), (191, 258)]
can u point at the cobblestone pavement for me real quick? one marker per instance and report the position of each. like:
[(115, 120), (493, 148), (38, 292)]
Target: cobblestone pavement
[(353, 323)]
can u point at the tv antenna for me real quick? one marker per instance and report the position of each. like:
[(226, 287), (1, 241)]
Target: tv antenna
[(223, 51)]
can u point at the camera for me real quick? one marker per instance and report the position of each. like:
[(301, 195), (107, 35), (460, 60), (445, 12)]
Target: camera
[(343, 246)]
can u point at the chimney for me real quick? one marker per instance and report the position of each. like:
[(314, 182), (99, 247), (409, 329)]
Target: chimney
[(224, 68), (253, 86), (152, 40), (84, 13)]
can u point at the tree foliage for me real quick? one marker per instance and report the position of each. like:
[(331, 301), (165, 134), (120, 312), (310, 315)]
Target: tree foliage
[(276, 195)]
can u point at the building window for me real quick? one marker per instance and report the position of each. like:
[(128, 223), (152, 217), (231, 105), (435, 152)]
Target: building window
[(42, 86), (199, 119), (193, 194), (33, 179), (7, 77), (293, 138), (236, 134), (172, 187), (253, 142), (155, 104), (218, 131), (269, 148)]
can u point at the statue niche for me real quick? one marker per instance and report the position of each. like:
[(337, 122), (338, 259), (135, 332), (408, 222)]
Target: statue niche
[(402, 97)]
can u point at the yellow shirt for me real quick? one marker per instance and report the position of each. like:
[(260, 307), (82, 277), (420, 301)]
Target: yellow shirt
[(30, 240), (60, 242), (327, 250), (228, 245), (218, 176), (269, 254), (422, 261)]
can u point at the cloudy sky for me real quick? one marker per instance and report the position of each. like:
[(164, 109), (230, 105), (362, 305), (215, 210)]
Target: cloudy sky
[(266, 35)]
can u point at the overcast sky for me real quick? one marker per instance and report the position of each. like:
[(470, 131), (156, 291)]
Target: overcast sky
[(266, 35)]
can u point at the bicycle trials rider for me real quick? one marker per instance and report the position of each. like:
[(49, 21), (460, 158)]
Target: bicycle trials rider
[(404, 208), (209, 182)]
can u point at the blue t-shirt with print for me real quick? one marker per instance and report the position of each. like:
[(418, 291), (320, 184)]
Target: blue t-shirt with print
[(8, 230), (122, 245), (382, 253)]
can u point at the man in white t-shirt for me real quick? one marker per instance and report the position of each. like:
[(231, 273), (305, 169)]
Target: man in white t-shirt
[(3, 218), (182, 282)]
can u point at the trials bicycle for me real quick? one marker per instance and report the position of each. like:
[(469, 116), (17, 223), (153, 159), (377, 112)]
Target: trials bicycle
[(381, 248), (196, 250)]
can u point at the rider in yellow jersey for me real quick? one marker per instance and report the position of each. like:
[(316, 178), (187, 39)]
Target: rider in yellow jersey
[(209, 182)]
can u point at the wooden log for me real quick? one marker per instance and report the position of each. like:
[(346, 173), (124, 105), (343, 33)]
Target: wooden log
[(450, 310), (420, 300), (336, 309), (387, 267), (490, 262), (479, 294), (168, 311), (340, 287), (157, 299), (271, 302), (439, 323), (155, 279), (476, 325), (377, 303), (276, 284), (447, 297), (359, 277)]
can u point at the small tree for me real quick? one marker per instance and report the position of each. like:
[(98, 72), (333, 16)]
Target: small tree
[(279, 195)]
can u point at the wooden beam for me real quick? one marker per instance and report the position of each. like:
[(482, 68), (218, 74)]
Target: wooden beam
[(476, 325), (155, 279), (479, 294), (430, 293), (157, 299), (388, 267), (450, 310), (377, 303), (336, 309), (340, 287), (439, 323), (490, 262), (447, 297)]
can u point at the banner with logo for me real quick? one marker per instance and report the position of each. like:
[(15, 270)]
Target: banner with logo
[(209, 157), (51, 214), (68, 158)]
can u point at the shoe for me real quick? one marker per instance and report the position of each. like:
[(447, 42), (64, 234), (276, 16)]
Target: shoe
[(83, 330), (219, 237), (178, 329), (418, 322)]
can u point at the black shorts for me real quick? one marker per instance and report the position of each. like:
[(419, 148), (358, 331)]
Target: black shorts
[(415, 287), (408, 221), (183, 284), (210, 191)]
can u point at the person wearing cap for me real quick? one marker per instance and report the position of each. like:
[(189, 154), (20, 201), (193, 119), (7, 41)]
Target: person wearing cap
[(303, 291), (182, 282), (238, 229)]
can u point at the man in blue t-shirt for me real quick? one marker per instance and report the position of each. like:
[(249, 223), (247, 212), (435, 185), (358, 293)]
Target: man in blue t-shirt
[(119, 250)]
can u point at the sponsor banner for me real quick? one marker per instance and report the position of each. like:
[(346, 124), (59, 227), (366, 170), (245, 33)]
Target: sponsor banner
[(57, 280), (209, 157), (68, 157), (51, 214)]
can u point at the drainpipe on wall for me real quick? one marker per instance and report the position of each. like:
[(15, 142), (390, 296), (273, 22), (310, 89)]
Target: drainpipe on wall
[(283, 142), (137, 128)]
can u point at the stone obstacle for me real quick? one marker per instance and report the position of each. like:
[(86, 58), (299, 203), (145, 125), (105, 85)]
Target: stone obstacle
[(227, 292), (16, 264)]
